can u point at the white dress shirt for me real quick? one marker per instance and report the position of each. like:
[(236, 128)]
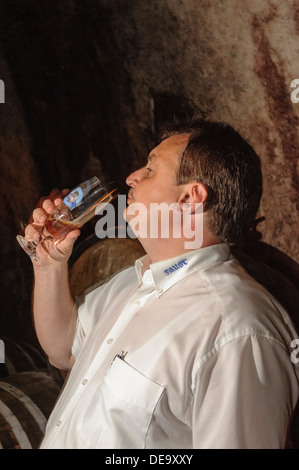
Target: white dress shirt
[(193, 353)]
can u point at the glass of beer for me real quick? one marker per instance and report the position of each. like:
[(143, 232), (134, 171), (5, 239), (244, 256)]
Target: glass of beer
[(78, 207)]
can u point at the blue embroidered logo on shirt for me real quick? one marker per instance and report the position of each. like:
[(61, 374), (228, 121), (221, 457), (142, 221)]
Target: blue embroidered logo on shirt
[(174, 267)]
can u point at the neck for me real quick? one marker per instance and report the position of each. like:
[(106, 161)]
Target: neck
[(159, 249)]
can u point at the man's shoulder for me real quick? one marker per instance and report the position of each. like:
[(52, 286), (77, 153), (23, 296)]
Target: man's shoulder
[(118, 281), (124, 276), (244, 303)]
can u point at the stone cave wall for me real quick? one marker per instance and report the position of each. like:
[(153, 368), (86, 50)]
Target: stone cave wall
[(89, 83)]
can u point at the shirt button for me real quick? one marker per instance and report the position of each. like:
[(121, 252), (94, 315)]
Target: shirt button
[(137, 302), (59, 423), (84, 382), (159, 290), (110, 340)]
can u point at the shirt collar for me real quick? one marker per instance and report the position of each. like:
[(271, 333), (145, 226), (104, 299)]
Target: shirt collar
[(165, 274)]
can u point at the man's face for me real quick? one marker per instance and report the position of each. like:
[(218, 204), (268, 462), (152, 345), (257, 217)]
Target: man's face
[(156, 181)]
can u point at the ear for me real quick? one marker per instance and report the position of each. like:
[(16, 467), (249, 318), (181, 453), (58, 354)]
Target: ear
[(194, 193)]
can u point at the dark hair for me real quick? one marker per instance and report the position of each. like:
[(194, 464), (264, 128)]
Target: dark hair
[(219, 157)]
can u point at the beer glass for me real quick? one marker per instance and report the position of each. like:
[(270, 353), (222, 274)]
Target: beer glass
[(77, 208)]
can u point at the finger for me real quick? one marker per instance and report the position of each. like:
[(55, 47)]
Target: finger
[(65, 191), (41, 201), (48, 206), (32, 232), (58, 193), (59, 196), (54, 194), (39, 205), (39, 216)]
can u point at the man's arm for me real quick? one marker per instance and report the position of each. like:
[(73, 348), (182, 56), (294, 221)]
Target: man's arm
[(54, 314), (54, 309), (244, 396)]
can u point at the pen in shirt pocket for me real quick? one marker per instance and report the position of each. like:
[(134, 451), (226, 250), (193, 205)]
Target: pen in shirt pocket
[(120, 355)]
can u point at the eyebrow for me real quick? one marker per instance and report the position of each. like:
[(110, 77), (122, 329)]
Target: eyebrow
[(151, 157)]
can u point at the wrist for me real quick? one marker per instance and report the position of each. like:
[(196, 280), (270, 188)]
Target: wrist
[(53, 266)]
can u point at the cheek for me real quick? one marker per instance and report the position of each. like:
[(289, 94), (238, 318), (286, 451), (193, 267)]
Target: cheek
[(154, 190), (145, 192)]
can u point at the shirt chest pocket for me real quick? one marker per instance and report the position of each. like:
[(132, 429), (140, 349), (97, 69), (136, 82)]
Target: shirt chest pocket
[(121, 409)]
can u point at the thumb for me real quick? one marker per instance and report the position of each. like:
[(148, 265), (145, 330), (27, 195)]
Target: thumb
[(73, 235), (68, 242)]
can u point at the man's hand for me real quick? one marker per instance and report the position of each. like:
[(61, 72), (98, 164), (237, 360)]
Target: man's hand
[(49, 250)]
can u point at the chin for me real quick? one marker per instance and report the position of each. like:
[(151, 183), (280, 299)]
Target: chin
[(126, 216)]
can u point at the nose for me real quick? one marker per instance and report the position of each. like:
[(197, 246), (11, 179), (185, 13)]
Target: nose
[(134, 178)]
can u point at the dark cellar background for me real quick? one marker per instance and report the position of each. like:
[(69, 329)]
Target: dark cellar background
[(87, 85)]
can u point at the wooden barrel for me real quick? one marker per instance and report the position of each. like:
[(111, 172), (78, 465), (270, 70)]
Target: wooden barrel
[(26, 401), (96, 260), (20, 356)]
